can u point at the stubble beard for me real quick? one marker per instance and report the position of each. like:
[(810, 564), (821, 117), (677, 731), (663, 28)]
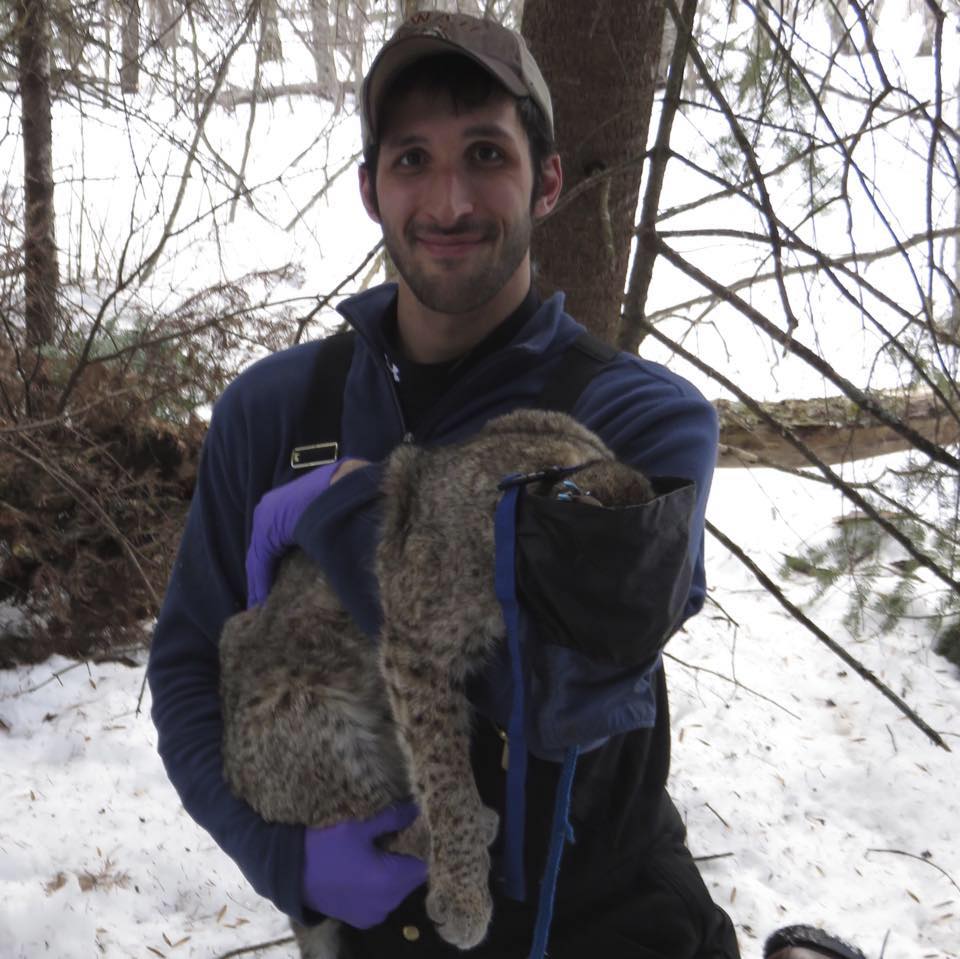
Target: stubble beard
[(456, 291)]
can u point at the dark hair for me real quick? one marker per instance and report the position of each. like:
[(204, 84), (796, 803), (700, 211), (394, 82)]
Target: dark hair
[(469, 86)]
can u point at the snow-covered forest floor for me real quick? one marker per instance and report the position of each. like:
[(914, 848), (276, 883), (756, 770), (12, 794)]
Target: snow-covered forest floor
[(809, 795), (820, 801)]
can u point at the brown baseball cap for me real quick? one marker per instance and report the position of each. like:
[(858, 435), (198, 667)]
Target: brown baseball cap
[(499, 50)]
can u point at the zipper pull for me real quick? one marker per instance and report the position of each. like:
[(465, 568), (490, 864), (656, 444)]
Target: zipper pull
[(505, 755)]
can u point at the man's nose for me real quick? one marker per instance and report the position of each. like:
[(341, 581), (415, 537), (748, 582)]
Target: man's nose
[(450, 198)]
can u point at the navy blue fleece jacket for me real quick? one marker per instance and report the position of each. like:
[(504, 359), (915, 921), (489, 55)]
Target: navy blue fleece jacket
[(650, 417)]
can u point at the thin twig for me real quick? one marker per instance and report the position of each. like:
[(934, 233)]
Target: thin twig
[(248, 136), (926, 859), (258, 947), (883, 945), (850, 390), (846, 152), (716, 855), (592, 181), (735, 682), (717, 815), (64, 480), (830, 643), (638, 286), (54, 676), (327, 184), (144, 270), (759, 181), (830, 475), (72, 415), (324, 300)]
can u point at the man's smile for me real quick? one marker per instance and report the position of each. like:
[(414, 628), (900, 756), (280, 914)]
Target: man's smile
[(448, 247)]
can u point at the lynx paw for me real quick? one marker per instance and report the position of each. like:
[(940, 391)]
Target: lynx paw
[(461, 911)]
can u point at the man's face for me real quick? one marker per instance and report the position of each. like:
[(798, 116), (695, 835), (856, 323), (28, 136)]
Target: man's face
[(453, 197)]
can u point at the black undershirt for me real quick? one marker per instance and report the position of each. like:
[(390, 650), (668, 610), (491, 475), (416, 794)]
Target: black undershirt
[(420, 385)]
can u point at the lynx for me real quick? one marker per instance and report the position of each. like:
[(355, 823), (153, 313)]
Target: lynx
[(323, 725)]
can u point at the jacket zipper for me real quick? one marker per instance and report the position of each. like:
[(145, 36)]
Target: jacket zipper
[(437, 413)]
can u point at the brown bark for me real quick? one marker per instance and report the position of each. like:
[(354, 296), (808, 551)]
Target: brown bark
[(130, 47), (832, 427), (600, 62), (41, 275)]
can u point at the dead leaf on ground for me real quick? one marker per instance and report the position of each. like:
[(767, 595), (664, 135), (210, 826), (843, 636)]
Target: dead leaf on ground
[(107, 878), (58, 882), (4, 726), (173, 945)]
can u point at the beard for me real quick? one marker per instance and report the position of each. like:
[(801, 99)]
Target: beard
[(460, 285)]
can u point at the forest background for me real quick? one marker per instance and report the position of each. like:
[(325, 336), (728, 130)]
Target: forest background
[(762, 194)]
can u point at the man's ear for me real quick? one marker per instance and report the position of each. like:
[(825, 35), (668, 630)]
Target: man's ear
[(368, 193), (551, 183)]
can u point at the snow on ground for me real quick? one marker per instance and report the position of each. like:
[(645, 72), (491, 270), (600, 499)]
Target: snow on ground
[(793, 793), (801, 792), (97, 858)]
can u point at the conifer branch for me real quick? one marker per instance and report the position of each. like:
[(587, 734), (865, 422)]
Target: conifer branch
[(859, 668), (835, 481), (786, 340)]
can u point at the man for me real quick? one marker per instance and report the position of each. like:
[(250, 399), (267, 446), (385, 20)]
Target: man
[(458, 164)]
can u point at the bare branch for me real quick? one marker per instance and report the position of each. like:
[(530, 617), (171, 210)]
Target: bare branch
[(641, 272), (831, 644), (835, 481), (862, 399)]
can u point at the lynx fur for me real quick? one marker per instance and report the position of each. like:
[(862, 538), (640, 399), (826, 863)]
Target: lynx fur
[(323, 725)]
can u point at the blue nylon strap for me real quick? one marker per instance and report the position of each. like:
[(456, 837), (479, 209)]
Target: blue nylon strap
[(505, 580), (560, 832), (506, 588)]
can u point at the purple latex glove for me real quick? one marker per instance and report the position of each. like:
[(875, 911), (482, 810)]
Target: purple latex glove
[(348, 877), (274, 520)]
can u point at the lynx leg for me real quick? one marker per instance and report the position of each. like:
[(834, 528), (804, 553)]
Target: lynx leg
[(319, 942), (412, 841), (434, 720)]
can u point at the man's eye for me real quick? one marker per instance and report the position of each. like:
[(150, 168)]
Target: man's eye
[(410, 159), (487, 153)]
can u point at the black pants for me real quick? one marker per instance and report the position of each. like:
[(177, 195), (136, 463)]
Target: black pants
[(661, 911)]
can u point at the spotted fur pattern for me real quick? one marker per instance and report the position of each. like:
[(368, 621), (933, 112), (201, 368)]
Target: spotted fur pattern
[(323, 725)]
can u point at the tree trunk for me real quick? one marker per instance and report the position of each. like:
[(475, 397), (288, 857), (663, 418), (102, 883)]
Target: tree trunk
[(929, 27), (165, 24), (953, 321), (270, 32), (41, 276), (600, 62), (321, 38), (130, 47), (833, 428)]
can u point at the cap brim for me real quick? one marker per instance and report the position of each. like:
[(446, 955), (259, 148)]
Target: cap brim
[(393, 58)]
